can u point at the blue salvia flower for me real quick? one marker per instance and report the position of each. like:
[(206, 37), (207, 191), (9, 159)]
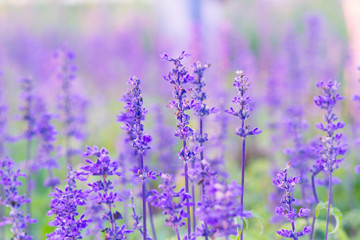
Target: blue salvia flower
[(172, 203), (331, 146), (101, 191), (219, 208), (64, 206), (178, 77), (47, 134), (287, 184), (72, 106), (9, 179), (133, 117), (243, 102)]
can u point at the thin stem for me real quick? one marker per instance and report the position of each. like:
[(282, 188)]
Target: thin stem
[(177, 233), (242, 177), (67, 150), (187, 201), (316, 200), (329, 203), (202, 168), (193, 197), (143, 184), (152, 221), (28, 179)]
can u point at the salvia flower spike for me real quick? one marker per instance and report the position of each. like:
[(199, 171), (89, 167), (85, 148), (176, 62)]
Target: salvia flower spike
[(287, 184), (133, 117), (243, 102), (178, 77), (101, 191), (64, 206), (331, 146), (9, 178)]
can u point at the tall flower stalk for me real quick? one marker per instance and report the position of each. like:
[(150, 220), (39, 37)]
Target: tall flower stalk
[(47, 135), (133, 117), (287, 184), (331, 146), (9, 178), (242, 84), (72, 106), (178, 77), (201, 110), (28, 117), (101, 191)]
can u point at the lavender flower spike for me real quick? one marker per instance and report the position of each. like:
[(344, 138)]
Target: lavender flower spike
[(331, 147), (101, 191), (242, 84), (47, 134), (178, 77), (11, 198), (133, 118), (64, 205), (286, 183)]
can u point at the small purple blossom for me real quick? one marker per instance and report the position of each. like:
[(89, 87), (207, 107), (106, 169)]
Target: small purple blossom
[(64, 206), (287, 184), (9, 179)]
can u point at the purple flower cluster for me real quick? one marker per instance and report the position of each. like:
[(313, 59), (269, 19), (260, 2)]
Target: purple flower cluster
[(9, 178), (178, 77), (47, 133), (287, 184), (72, 106), (244, 104), (65, 206), (101, 191), (172, 203), (219, 208), (242, 85), (133, 117), (331, 146)]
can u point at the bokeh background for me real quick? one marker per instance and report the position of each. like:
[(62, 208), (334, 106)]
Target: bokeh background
[(284, 47)]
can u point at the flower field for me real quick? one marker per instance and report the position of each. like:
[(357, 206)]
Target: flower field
[(179, 120)]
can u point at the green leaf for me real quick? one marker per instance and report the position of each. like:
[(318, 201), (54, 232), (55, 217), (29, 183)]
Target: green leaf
[(260, 221), (333, 211)]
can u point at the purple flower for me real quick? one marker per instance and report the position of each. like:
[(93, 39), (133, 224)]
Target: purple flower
[(243, 102), (172, 203), (28, 111), (9, 179), (47, 133), (219, 208), (178, 77), (101, 191), (287, 184), (330, 147), (72, 106), (65, 206)]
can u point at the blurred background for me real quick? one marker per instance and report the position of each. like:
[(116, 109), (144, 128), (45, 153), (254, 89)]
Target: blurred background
[(283, 46)]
